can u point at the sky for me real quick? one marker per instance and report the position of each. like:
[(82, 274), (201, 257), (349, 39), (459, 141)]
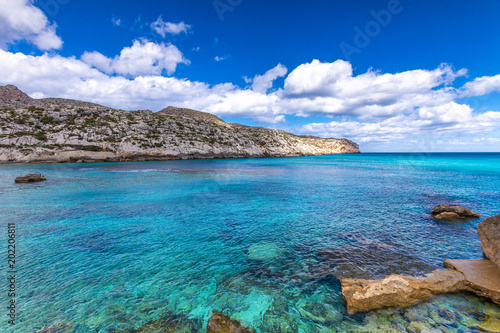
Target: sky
[(391, 75)]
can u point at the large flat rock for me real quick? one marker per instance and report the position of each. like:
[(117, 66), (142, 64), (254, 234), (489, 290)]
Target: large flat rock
[(489, 233), (481, 277), (399, 290)]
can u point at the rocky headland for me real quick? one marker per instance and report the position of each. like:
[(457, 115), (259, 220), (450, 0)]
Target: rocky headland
[(60, 130)]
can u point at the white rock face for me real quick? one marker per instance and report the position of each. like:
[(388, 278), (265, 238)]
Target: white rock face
[(58, 130)]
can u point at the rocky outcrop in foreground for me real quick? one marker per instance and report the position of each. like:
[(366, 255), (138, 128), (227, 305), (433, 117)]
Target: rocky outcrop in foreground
[(60, 130), (489, 233), (481, 277), (398, 290), (453, 212)]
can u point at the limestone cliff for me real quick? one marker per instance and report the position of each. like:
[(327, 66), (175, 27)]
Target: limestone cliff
[(60, 130)]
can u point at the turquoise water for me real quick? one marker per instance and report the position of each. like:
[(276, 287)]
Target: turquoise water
[(111, 247)]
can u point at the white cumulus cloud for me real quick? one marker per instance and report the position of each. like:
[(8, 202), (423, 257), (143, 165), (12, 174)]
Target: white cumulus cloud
[(481, 86), (332, 89), (163, 28), (447, 113), (20, 20), (142, 58), (221, 58), (444, 123), (56, 76), (261, 83), (382, 110)]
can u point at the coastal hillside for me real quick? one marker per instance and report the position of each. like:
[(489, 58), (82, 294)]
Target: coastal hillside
[(62, 130)]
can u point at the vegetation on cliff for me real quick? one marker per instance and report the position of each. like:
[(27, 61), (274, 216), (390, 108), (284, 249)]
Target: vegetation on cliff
[(61, 130)]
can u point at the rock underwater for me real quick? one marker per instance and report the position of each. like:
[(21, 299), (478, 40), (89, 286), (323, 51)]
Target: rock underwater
[(55, 328), (369, 261), (264, 251), (220, 323), (170, 324)]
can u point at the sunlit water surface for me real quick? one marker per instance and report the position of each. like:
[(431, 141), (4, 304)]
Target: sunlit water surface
[(112, 247)]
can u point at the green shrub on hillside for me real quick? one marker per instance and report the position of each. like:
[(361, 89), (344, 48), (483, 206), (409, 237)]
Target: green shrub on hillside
[(47, 120), (41, 136)]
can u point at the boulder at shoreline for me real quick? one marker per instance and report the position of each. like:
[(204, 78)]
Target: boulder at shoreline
[(452, 212), (482, 277), (489, 233), (30, 178), (399, 290)]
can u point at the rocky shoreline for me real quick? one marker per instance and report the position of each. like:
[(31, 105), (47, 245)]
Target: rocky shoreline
[(56, 130), (481, 277)]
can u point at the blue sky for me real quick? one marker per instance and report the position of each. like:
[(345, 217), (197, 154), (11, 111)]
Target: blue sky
[(391, 75)]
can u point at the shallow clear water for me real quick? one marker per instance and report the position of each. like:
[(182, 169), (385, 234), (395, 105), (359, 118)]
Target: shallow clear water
[(111, 247)]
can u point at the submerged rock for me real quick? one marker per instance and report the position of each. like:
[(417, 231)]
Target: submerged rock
[(30, 178), (318, 310), (368, 261), (280, 321), (170, 324), (221, 323), (453, 212), (98, 241), (482, 277), (398, 290), (55, 328), (264, 251), (489, 233)]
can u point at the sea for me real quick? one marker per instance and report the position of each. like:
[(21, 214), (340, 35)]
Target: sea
[(159, 246)]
